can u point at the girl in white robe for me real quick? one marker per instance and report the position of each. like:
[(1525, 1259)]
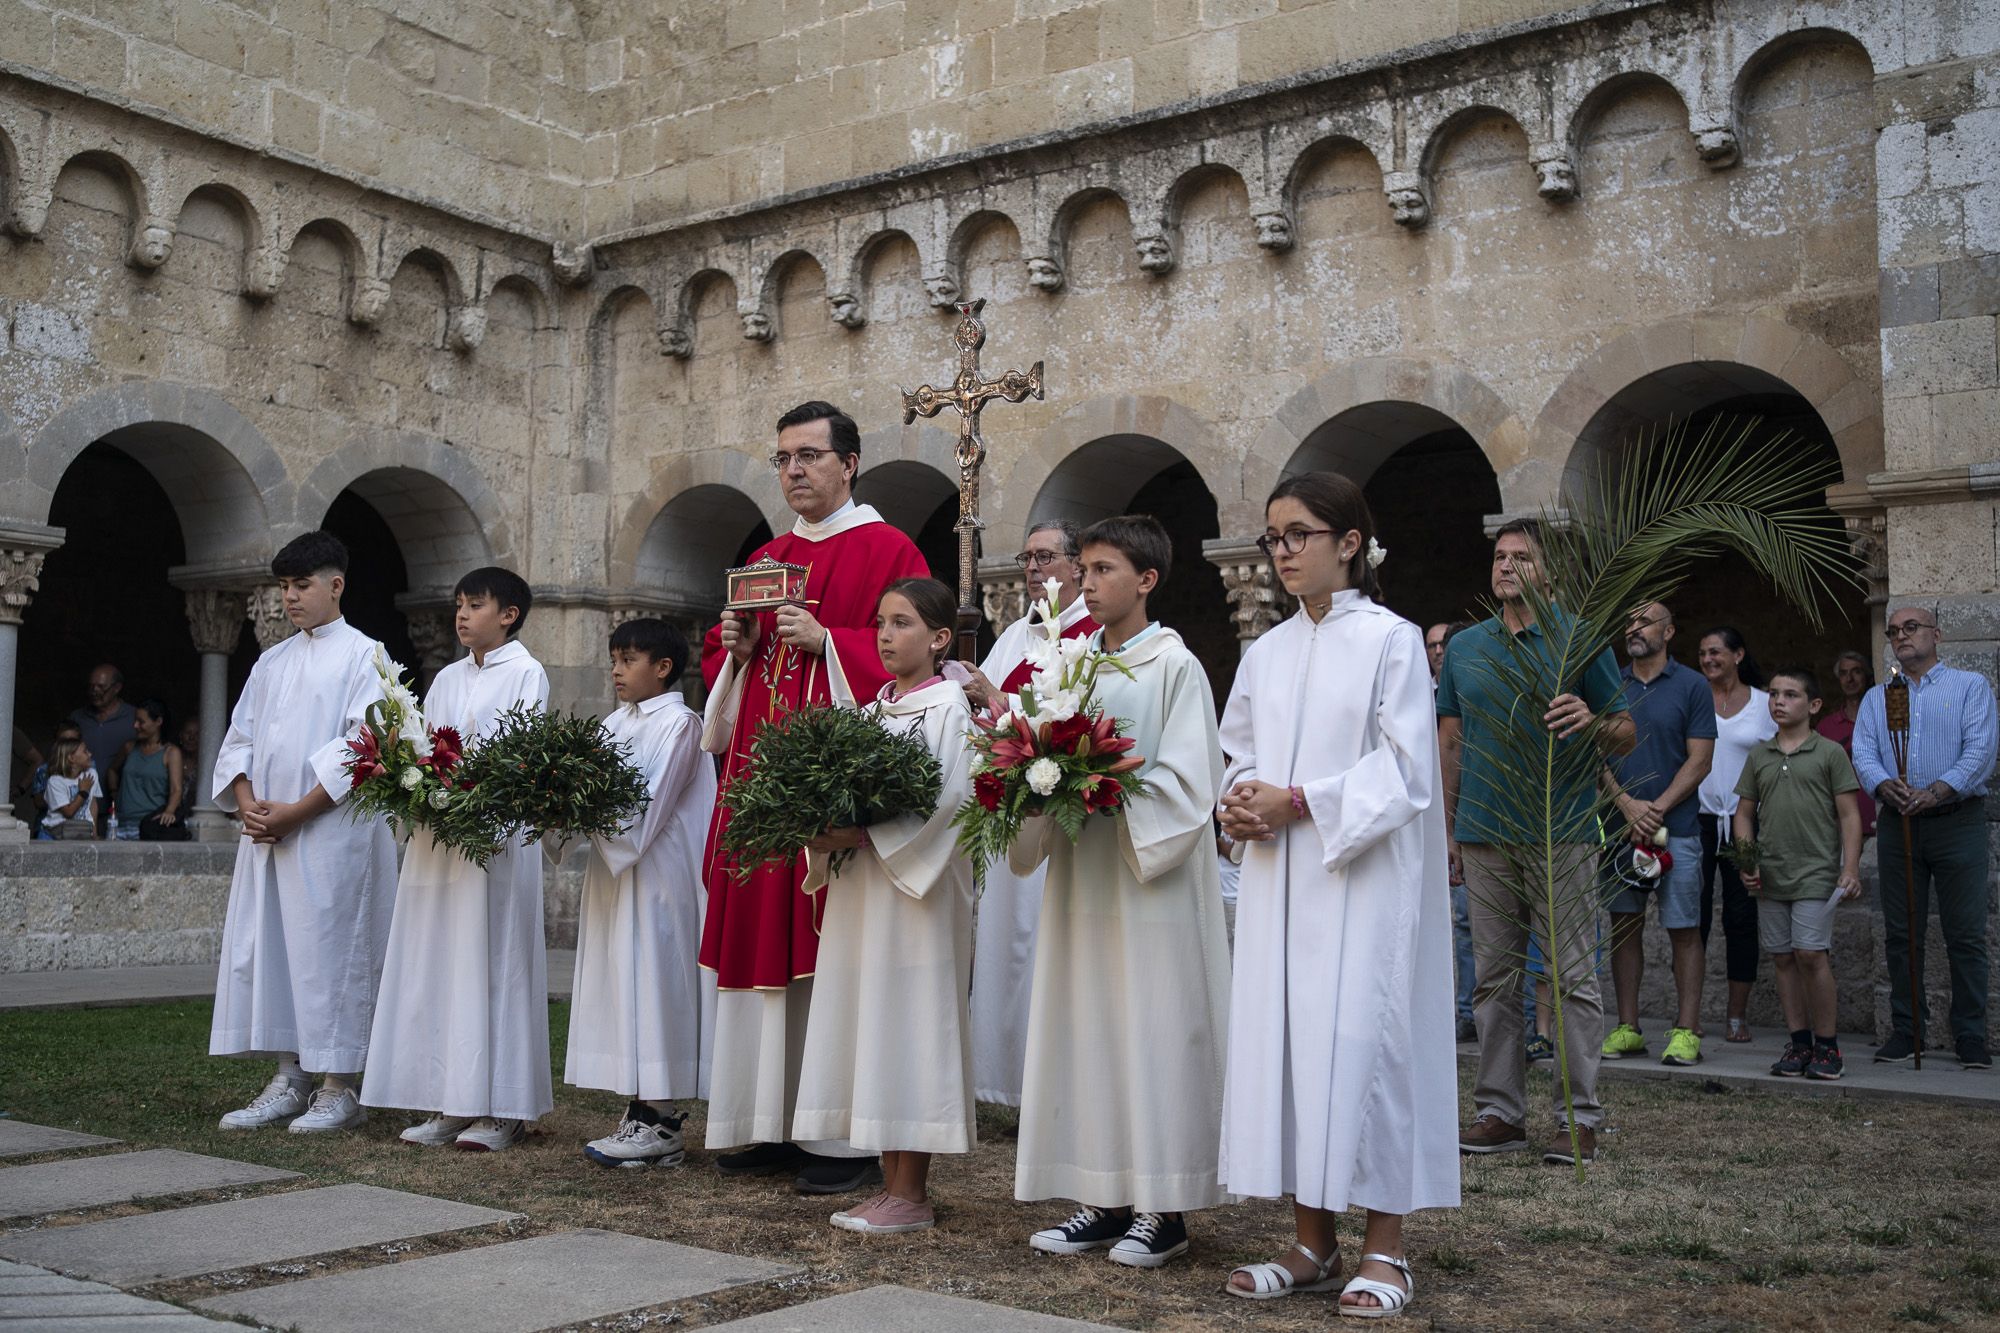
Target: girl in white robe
[(888, 1059), (462, 1022), (641, 1018), (1342, 1084)]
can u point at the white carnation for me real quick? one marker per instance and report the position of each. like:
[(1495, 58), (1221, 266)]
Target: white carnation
[(1043, 775), (412, 779)]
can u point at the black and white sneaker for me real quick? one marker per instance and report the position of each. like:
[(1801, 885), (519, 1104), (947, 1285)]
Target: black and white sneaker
[(1153, 1240), (1087, 1229), (643, 1138)]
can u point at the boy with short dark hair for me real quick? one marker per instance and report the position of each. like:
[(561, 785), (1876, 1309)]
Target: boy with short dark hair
[(638, 1023), (462, 1024), (313, 891), (1121, 1107), (1799, 804)]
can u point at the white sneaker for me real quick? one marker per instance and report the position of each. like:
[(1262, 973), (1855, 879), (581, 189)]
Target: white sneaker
[(281, 1099), (437, 1131), (332, 1109), (637, 1144), (487, 1134)]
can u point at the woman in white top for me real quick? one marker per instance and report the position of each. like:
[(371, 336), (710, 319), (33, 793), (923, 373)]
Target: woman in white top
[(1742, 720)]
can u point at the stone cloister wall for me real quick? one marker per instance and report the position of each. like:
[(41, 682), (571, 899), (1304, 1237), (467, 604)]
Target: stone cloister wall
[(1247, 236)]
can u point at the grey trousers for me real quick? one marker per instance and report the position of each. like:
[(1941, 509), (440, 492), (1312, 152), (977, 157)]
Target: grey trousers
[(1500, 928)]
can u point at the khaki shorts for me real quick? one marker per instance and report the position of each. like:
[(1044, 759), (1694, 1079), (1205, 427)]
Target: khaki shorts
[(1786, 927)]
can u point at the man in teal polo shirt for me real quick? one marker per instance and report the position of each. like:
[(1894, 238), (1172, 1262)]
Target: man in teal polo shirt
[(1480, 804)]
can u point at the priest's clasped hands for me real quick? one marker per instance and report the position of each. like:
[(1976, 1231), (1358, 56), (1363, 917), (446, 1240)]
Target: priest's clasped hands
[(1254, 811), (797, 628)]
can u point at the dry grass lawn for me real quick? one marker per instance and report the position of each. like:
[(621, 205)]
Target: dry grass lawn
[(1709, 1208)]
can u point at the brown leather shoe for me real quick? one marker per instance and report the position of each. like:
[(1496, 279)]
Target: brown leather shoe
[(1560, 1152), (1490, 1134)]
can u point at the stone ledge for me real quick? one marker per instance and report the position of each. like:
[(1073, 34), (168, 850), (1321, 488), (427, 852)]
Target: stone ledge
[(67, 860)]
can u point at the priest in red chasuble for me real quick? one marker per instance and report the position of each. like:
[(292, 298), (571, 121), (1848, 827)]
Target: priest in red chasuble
[(761, 935)]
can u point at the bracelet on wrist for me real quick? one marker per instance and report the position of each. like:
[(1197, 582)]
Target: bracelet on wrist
[(1298, 803)]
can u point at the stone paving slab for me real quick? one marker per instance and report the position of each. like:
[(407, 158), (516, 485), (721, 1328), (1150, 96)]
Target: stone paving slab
[(184, 1242), (901, 1310), (515, 1287), (18, 1138), (168, 1319), (44, 1284), (89, 1182)]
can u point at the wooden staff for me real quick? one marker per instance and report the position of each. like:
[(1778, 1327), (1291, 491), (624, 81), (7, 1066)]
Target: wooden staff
[(1896, 707)]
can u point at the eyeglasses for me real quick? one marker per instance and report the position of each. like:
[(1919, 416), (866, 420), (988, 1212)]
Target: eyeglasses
[(1894, 632), (1041, 559), (1291, 541), (803, 457)]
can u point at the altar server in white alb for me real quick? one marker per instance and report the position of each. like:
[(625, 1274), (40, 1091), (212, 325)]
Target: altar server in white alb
[(641, 1016), (310, 902), (462, 1023), (1342, 1083), (1121, 1107), (1003, 929), (888, 1062)]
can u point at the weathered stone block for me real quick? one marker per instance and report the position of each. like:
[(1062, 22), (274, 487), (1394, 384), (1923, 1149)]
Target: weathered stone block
[(1909, 295)]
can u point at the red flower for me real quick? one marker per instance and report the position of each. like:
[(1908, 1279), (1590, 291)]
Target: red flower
[(1101, 792), (1104, 737), (988, 789), (447, 748), (367, 761), (1062, 736)]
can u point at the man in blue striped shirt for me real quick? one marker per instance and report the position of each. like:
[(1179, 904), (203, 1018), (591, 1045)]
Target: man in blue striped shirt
[(1953, 733)]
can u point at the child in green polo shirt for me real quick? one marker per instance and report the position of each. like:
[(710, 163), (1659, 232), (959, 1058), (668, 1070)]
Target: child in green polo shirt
[(1798, 791)]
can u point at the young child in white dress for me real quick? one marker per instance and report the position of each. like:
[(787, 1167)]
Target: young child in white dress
[(888, 1054)]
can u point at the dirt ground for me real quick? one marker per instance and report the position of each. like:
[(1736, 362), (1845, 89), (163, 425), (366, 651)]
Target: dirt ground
[(1709, 1208)]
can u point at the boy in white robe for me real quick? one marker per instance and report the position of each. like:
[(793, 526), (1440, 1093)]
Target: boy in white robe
[(638, 1024), (313, 891), (1122, 1103), (888, 1057), (462, 1022), (1342, 1082)]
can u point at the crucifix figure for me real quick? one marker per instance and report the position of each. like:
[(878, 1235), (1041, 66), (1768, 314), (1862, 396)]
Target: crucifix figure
[(968, 396)]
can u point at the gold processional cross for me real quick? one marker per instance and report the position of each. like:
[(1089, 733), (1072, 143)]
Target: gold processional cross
[(968, 396)]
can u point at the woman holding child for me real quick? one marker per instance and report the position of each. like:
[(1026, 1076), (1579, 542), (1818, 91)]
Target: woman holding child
[(1341, 1086)]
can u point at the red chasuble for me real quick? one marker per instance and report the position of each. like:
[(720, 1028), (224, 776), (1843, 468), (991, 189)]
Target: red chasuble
[(762, 933), (1025, 671)]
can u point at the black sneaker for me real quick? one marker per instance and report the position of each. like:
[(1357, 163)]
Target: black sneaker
[(837, 1175), (1972, 1053), (1793, 1062), (1898, 1048), (1087, 1229), (761, 1159), (1153, 1240), (1826, 1064), (1540, 1050)]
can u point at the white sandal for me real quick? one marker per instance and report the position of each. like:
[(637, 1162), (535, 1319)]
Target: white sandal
[(1274, 1280), (1392, 1299)]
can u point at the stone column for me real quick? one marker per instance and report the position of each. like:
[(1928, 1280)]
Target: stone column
[(1256, 599), (22, 550), (267, 617), (215, 617)]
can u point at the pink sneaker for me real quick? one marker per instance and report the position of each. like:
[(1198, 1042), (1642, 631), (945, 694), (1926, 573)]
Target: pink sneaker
[(886, 1215)]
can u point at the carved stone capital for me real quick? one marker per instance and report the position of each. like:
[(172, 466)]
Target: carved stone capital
[(845, 310), (20, 580), (264, 271), (215, 618), (371, 302), (1714, 138), (675, 341), (1156, 252), (434, 635), (1274, 230), (1409, 199), (1555, 172), (152, 243), (467, 328), (28, 213), (572, 263), (268, 620), (757, 326), (1257, 601), (1045, 272), (1003, 592)]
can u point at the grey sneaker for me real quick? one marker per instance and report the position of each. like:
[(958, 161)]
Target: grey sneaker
[(332, 1109), (281, 1099)]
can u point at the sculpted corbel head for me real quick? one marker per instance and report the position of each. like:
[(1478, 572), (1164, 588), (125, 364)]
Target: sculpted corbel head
[(468, 328), (572, 263), (1044, 272), (1274, 231), (1156, 252), (757, 326), (845, 308), (152, 242), (1409, 204), (371, 302), (1715, 140), (1555, 173), (263, 270), (942, 287)]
